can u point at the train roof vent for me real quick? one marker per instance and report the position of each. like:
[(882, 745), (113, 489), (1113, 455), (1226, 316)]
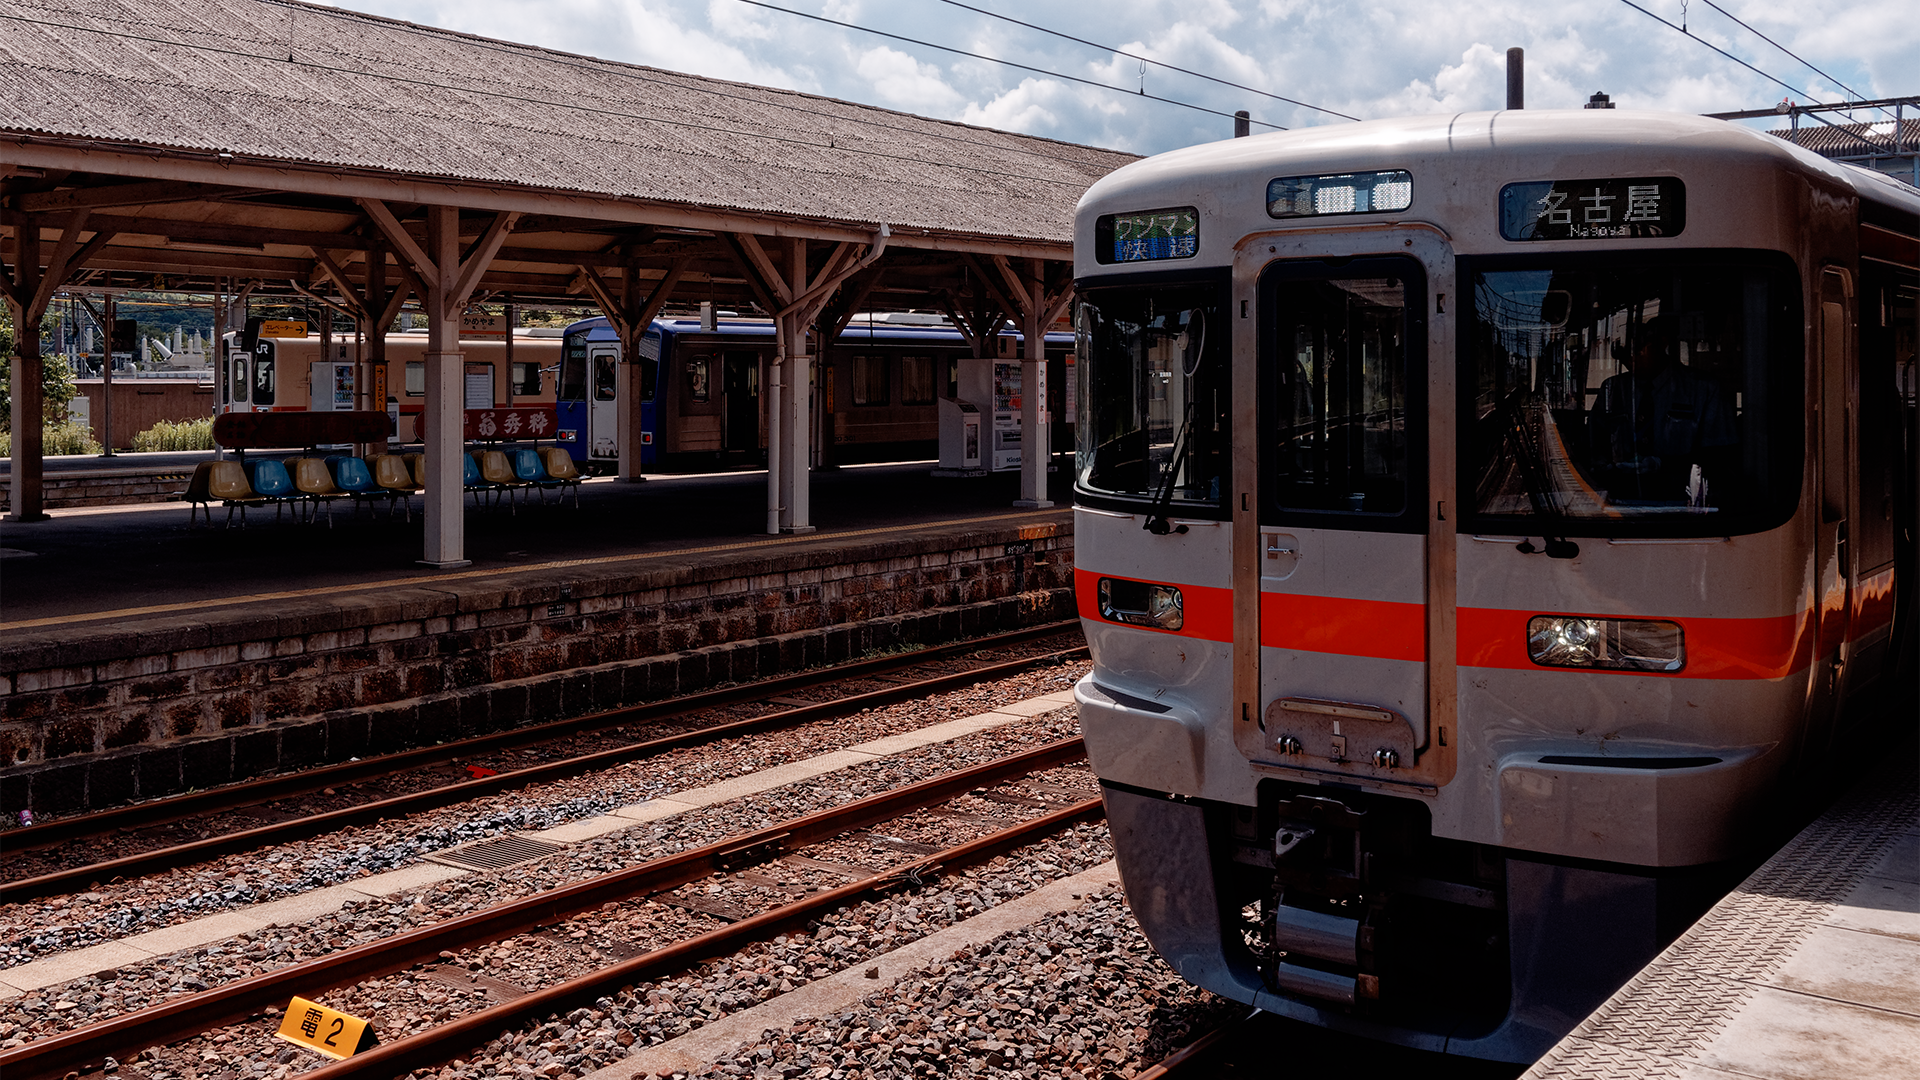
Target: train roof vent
[(494, 854)]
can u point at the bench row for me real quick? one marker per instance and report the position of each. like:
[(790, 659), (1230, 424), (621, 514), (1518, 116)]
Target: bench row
[(308, 482)]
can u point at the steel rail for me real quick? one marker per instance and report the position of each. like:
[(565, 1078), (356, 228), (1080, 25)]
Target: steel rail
[(147, 862), (84, 1048), (438, 1045), (269, 788), (1194, 1054)]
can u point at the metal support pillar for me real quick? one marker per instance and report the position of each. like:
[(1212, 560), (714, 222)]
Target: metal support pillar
[(27, 407), (796, 423), (1036, 449), (445, 442)]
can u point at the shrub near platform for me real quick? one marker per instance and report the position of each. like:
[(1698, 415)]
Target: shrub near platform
[(57, 439), (169, 435)]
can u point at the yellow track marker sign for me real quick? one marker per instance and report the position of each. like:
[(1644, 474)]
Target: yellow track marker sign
[(317, 1027)]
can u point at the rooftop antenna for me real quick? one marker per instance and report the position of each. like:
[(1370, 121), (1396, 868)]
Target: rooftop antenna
[(1242, 124), (1516, 78)]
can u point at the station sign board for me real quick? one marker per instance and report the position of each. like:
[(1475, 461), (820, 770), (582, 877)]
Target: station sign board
[(478, 324), (283, 328)]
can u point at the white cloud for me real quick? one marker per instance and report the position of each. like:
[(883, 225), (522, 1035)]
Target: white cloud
[(1386, 58), (901, 82)]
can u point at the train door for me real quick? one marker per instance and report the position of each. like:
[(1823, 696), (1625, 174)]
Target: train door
[(1342, 545), (1833, 555), (603, 419), (741, 385), (236, 386)]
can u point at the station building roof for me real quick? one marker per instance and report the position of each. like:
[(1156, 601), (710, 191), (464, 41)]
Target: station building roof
[(274, 82)]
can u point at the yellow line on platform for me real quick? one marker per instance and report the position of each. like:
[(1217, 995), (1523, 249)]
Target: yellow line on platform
[(434, 579)]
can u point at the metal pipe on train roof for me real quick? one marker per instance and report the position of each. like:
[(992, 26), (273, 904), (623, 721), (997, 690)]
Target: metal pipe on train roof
[(1242, 124), (1516, 78)]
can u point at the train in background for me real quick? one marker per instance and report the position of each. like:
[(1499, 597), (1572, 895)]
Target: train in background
[(881, 389), (1483, 525), (263, 373)]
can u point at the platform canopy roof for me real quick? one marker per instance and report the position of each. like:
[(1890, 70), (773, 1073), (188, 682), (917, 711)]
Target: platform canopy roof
[(240, 139)]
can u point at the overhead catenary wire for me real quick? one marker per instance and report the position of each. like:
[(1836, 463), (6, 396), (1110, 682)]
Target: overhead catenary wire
[(574, 104), (1784, 49), (1682, 31), (632, 72), (1008, 63), (1149, 60)]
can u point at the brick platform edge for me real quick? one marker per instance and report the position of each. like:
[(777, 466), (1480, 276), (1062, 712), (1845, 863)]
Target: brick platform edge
[(106, 487), (93, 717)]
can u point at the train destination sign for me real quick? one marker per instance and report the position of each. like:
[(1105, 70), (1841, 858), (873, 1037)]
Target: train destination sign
[(1607, 208), (1173, 233)]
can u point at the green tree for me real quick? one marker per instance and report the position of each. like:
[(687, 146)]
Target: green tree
[(56, 379)]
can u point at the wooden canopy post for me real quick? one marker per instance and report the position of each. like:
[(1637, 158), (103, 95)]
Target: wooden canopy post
[(635, 377), (28, 291), (1038, 308), (796, 298), (446, 281)]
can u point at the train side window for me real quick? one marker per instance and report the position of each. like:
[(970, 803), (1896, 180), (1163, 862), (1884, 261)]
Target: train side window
[(416, 378), (870, 386), (573, 375), (699, 369), (263, 374), (526, 378), (916, 380)]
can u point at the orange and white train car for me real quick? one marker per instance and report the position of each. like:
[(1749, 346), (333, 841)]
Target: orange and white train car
[(1484, 524)]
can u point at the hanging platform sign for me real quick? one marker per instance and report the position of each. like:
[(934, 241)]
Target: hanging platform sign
[(283, 328), (475, 324)]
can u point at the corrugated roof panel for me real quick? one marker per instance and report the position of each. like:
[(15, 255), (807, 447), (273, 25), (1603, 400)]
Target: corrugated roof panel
[(373, 93)]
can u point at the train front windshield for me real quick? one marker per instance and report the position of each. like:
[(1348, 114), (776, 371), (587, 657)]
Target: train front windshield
[(1153, 403), (1637, 396)]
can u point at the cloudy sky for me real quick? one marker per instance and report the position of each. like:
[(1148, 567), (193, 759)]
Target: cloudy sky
[(1364, 59)]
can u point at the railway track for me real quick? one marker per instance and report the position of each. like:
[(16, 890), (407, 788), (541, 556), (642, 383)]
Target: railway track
[(122, 1037), (123, 827)]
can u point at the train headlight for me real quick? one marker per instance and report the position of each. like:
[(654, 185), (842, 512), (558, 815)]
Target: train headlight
[(1141, 603), (1579, 641)]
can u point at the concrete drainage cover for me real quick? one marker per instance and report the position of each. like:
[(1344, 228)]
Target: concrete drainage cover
[(494, 854)]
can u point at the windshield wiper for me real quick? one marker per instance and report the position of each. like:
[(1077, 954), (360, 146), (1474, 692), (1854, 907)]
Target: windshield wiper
[(1196, 347), (1157, 522)]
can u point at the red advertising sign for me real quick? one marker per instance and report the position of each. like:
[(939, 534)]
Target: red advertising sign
[(533, 422)]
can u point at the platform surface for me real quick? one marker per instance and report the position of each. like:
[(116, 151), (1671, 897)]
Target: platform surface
[(1810, 970), (107, 565)]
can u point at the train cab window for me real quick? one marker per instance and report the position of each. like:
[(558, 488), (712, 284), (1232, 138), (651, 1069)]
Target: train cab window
[(241, 384), (699, 373), (604, 375), (572, 384), (263, 374), (916, 380), (1338, 396), (1621, 396), (1153, 420), (526, 378), (870, 384), (416, 378)]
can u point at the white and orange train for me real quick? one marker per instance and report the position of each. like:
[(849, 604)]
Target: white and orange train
[(299, 374), (1482, 522)]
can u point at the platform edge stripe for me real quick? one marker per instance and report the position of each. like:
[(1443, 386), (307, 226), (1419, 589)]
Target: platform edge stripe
[(1575, 1058), (1674, 1008)]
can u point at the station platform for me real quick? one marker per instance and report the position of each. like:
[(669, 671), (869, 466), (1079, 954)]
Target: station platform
[(1809, 970), (142, 655)]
